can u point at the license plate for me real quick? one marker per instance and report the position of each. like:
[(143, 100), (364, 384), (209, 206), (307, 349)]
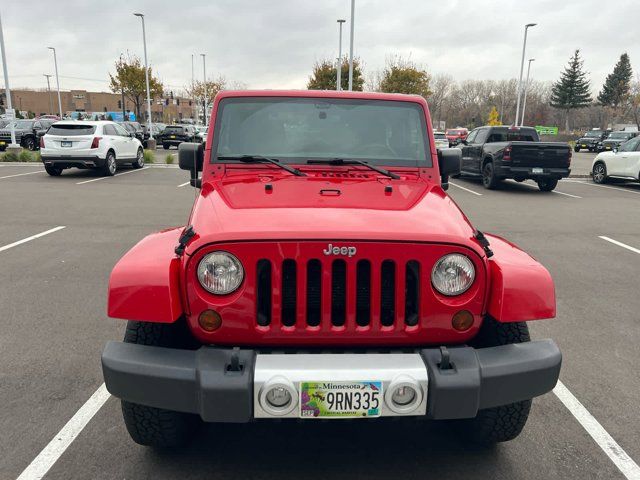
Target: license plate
[(537, 170), (64, 143), (2, 143), (340, 399), (607, 148), (173, 136), (583, 146)]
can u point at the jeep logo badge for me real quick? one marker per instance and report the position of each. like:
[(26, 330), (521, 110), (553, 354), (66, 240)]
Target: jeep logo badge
[(331, 250)]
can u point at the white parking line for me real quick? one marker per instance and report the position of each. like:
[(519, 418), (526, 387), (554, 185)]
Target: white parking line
[(32, 237), (20, 174), (184, 184), (620, 244), (618, 456), (553, 191), (40, 465), (465, 189), (116, 175), (605, 186)]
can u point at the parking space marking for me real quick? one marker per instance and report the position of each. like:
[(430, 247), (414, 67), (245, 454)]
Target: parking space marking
[(32, 237), (553, 191), (184, 184), (40, 465), (465, 189), (104, 178), (20, 174), (618, 456), (620, 244), (604, 186)]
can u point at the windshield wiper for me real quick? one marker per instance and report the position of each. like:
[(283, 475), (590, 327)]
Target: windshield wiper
[(261, 159), (352, 161)]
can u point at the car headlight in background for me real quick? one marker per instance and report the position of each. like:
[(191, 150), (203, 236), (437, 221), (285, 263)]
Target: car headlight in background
[(453, 274), (220, 273)]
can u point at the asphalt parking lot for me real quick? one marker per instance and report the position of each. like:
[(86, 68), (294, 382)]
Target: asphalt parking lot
[(53, 302)]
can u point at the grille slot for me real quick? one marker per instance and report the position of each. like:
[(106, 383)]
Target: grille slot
[(263, 292), (388, 293), (289, 297), (412, 293), (363, 293), (338, 292), (314, 292)]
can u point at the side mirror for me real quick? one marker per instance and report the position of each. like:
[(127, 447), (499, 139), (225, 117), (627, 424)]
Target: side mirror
[(191, 157), (449, 161)]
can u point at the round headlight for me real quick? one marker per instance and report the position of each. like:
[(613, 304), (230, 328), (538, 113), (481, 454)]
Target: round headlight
[(220, 273), (453, 274)]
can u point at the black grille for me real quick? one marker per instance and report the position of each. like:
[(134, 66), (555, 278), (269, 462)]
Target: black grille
[(412, 293), (388, 293), (289, 297), (363, 293), (338, 292), (314, 292), (263, 300)]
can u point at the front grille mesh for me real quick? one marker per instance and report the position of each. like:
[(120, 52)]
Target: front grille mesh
[(338, 293)]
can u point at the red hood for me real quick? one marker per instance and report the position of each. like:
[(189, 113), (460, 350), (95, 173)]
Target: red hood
[(336, 204)]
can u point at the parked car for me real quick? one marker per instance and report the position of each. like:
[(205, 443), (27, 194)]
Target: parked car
[(590, 140), (174, 135), (615, 139), (157, 130), (456, 135), (136, 129), (498, 153), (28, 133), (84, 144), (623, 163), (441, 140), (325, 273), (201, 134)]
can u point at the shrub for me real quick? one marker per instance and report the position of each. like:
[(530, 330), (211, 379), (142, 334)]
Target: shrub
[(169, 159), (25, 156), (149, 156), (10, 157)]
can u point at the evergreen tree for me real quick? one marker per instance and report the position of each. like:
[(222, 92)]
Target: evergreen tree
[(493, 117), (571, 91), (616, 88), (324, 76)]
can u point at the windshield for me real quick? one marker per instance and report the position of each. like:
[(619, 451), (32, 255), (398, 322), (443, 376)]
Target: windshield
[(71, 130), (22, 124), (593, 134), (455, 132), (300, 129), (620, 135), (439, 136)]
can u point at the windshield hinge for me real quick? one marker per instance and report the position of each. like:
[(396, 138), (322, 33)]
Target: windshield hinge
[(484, 243), (186, 235)]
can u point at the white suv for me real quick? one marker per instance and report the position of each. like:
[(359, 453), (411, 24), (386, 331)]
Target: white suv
[(81, 144)]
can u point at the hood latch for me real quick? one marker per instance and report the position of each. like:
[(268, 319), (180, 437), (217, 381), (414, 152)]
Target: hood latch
[(186, 235)]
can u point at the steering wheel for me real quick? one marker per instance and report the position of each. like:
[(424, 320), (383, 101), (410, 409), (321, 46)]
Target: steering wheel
[(376, 149)]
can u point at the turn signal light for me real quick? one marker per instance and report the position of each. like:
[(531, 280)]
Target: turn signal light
[(462, 320), (210, 320)]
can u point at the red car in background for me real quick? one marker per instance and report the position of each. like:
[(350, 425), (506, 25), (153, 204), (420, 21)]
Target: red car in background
[(455, 135)]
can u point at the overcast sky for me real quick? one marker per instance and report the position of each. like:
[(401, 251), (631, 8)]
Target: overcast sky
[(274, 43)]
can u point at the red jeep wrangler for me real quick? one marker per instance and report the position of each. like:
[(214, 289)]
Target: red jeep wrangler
[(324, 273)]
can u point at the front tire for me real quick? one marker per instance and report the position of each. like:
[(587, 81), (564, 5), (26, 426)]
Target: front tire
[(53, 171), (547, 184), (600, 173), (110, 166), (489, 179), (151, 426), (576, 149), (139, 163), (30, 144), (503, 423), (165, 146)]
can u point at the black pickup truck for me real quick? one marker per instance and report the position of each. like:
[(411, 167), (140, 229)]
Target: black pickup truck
[(498, 153), (28, 133)]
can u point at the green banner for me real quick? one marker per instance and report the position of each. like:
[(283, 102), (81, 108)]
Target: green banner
[(546, 130)]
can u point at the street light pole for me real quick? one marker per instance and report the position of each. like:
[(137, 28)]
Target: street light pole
[(146, 74), (7, 90), (55, 63), (49, 90), (524, 46), (353, 9), (206, 100), (526, 86), (339, 67), (194, 110)]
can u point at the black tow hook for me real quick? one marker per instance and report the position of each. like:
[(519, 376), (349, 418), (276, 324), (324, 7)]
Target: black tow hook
[(445, 359), (187, 234)]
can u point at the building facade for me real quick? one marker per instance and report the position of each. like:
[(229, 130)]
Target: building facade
[(168, 109)]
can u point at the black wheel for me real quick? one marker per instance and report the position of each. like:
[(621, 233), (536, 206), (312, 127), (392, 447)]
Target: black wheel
[(53, 171), (30, 143), (600, 173), (150, 426), (547, 184), (489, 179), (110, 166), (165, 146), (504, 423), (576, 149), (139, 163)]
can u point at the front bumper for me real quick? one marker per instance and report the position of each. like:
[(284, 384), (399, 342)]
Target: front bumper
[(68, 161), (223, 385)]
